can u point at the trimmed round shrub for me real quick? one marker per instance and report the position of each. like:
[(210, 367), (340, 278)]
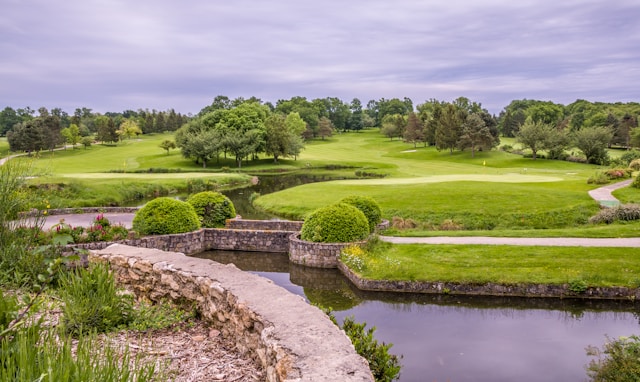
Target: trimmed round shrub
[(212, 208), (369, 207), (163, 216), (337, 223)]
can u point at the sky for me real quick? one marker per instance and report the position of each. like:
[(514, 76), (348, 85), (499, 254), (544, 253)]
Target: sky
[(114, 55)]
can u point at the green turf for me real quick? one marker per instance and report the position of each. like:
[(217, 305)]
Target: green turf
[(603, 267), (4, 147)]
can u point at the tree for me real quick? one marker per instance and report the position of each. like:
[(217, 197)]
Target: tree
[(593, 142), (242, 144), (202, 146), (277, 136), (414, 131), (356, 122), (449, 128), (635, 137), (622, 134), (86, 142), (129, 128), (106, 129), (475, 134), (393, 126), (533, 135), (556, 143), (8, 119), (167, 145), (71, 134), (27, 136), (325, 127)]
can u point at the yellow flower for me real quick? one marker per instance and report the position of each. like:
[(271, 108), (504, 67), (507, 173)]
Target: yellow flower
[(45, 212)]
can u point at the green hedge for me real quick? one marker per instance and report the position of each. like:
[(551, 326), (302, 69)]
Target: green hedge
[(212, 208), (163, 216), (369, 207), (337, 223)]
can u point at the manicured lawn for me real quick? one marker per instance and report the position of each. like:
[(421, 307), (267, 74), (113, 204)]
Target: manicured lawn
[(504, 264), (4, 147), (622, 229)]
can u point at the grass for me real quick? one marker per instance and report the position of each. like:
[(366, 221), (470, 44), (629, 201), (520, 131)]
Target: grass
[(621, 230), (597, 267), (493, 191), (4, 147)]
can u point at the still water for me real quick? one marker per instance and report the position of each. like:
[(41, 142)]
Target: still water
[(447, 338)]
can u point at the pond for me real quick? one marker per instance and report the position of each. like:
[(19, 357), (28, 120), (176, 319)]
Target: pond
[(449, 338), (242, 197)]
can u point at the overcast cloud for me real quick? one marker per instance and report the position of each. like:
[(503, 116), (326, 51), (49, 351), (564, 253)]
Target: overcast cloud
[(113, 55)]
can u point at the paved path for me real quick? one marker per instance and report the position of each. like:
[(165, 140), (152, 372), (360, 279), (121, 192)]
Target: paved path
[(603, 194), (85, 220)]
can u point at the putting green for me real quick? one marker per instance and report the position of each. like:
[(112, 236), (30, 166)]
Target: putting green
[(140, 176), (504, 178)]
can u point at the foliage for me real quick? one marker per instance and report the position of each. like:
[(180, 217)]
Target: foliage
[(34, 352), (212, 208), (534, 135), (164, 215), (92, 301), (630, 156), (369, 207), (593, 142), (624, 212), (578, 286), (600, 177), (636, 182), (384, 366), (635, 164), (618, 361), (337, 223), (162, 315), (167, 145)]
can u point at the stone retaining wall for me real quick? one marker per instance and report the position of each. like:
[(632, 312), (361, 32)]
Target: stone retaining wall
[(269, 225), (206, 239), (489, 289), (292, 340), (318, 255)]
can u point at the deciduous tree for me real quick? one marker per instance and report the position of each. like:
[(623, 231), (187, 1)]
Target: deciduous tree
[(475, 134), (593, 142)]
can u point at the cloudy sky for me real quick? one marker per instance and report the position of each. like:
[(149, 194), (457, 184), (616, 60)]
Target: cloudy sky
[(112, 55)]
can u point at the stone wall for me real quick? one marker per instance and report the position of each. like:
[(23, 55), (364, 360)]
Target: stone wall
[(489, 289), (318, 255), (292, 340), (270, 225)]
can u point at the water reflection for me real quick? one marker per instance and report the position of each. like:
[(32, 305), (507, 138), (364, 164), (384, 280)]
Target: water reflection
[(461, 338)]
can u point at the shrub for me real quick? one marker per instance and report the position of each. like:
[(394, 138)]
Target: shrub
[(337, 223), (598, 178), (636, 182), (625, 212), (616, 362), (369, 207), (630, 156), (401, 223), (165, 215), (635, 165), (618, 173), (212, 208), (92, 302)]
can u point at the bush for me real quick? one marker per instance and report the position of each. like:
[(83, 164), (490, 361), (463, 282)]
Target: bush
[(337, 223), (92, 301), (636, 182), (635, 165), (618, 173), (630, 156), (163, 216), (369, 207), (212, 208), (598, 178), (625, 212), (617, 362)]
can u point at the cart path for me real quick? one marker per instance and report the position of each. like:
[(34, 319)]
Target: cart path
[(603, 194)]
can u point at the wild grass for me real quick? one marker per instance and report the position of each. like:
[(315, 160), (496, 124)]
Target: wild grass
[(596, 267)]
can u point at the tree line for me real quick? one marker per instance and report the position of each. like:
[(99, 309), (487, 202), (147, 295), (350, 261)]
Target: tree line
[(30, 130), (243, 128)]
